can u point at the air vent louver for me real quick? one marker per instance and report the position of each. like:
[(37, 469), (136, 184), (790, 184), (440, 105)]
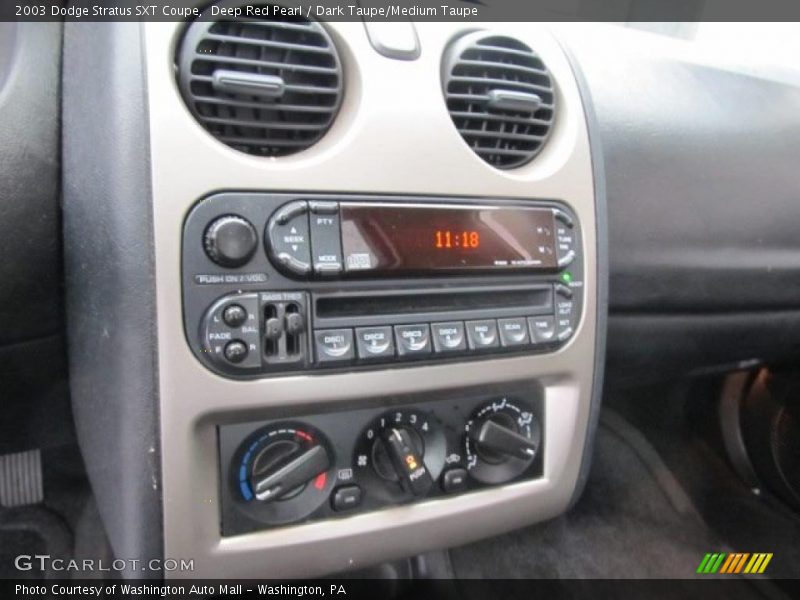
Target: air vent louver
[(500, 96), (269, 87)]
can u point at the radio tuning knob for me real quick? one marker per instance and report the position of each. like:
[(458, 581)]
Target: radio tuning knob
[(230, 241)]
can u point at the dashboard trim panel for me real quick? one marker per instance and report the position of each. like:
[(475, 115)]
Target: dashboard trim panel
[(188, 164)]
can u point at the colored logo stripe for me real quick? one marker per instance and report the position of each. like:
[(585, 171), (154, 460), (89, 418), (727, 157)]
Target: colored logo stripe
[(711, 562), (758, 563), (734, 563)]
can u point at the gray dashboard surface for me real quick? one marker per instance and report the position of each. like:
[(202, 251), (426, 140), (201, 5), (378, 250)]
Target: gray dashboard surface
[(30, 241), (702, 174), (108, 246)]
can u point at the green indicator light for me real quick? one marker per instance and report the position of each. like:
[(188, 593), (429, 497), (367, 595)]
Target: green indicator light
[(566, 277)]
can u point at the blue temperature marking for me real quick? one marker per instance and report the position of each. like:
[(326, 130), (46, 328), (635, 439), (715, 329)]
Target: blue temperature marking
[(246, 493)]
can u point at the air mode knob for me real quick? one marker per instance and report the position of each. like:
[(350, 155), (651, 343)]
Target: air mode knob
[(502, 441), (230, 241)]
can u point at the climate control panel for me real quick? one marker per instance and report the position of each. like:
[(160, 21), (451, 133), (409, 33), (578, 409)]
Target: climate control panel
[(321, 466)]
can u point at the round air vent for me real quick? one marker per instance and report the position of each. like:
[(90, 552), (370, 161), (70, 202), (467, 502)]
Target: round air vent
[(269, 87), (500, 96)]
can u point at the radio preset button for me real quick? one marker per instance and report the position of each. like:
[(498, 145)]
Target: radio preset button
[(564, 291), (565, 307), (513, 332), (543, 329), (482, 334), (323, 207), (374, 342), (449, 337), (413, 339), (288, 236), (326, 238), (563, 217), (334, 345), (565, 333), (565, 238)]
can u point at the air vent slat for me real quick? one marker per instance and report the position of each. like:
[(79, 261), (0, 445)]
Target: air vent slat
[(483, 99), (268, 124), (287, 81), (296, 89), (502, 135), (299, 26), (491, 82), (249, 141), (488, 64), (233, 39), (500, 152), (284, 108), (508, 51), (500, 96), (285, 66), (485, 116)]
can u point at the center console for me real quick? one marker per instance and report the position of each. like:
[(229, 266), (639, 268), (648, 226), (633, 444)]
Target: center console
[(275, 284), (378, 289)]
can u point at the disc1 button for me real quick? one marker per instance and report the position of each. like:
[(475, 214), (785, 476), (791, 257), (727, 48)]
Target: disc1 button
[(334, 344)]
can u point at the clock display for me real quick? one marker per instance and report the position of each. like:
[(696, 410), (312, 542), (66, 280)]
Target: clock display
[(408, 238), (446, 239)]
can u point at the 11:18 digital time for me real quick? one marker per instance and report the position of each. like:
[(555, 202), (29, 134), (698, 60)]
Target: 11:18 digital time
[(444, 239)]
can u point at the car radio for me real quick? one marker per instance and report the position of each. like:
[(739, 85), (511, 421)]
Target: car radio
[(276, 282)]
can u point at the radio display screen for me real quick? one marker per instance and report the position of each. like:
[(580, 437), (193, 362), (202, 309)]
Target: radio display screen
[(441, 237)]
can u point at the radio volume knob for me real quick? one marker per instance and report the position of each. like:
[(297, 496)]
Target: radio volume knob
[(230, 241)]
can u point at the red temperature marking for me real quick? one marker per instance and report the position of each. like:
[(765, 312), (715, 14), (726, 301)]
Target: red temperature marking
[(319, 482)]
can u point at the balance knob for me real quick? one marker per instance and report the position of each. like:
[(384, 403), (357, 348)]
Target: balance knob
[(230, 241)]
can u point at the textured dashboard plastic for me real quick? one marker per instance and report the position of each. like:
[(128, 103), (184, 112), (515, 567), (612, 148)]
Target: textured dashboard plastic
[(108, 244), (30, 271), (701, 168)]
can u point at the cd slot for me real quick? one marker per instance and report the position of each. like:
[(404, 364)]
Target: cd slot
[(401, 306)]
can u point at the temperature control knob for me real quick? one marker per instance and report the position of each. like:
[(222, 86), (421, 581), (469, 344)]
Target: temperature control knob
[(283, 468), (502, 441), (282, 472)]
